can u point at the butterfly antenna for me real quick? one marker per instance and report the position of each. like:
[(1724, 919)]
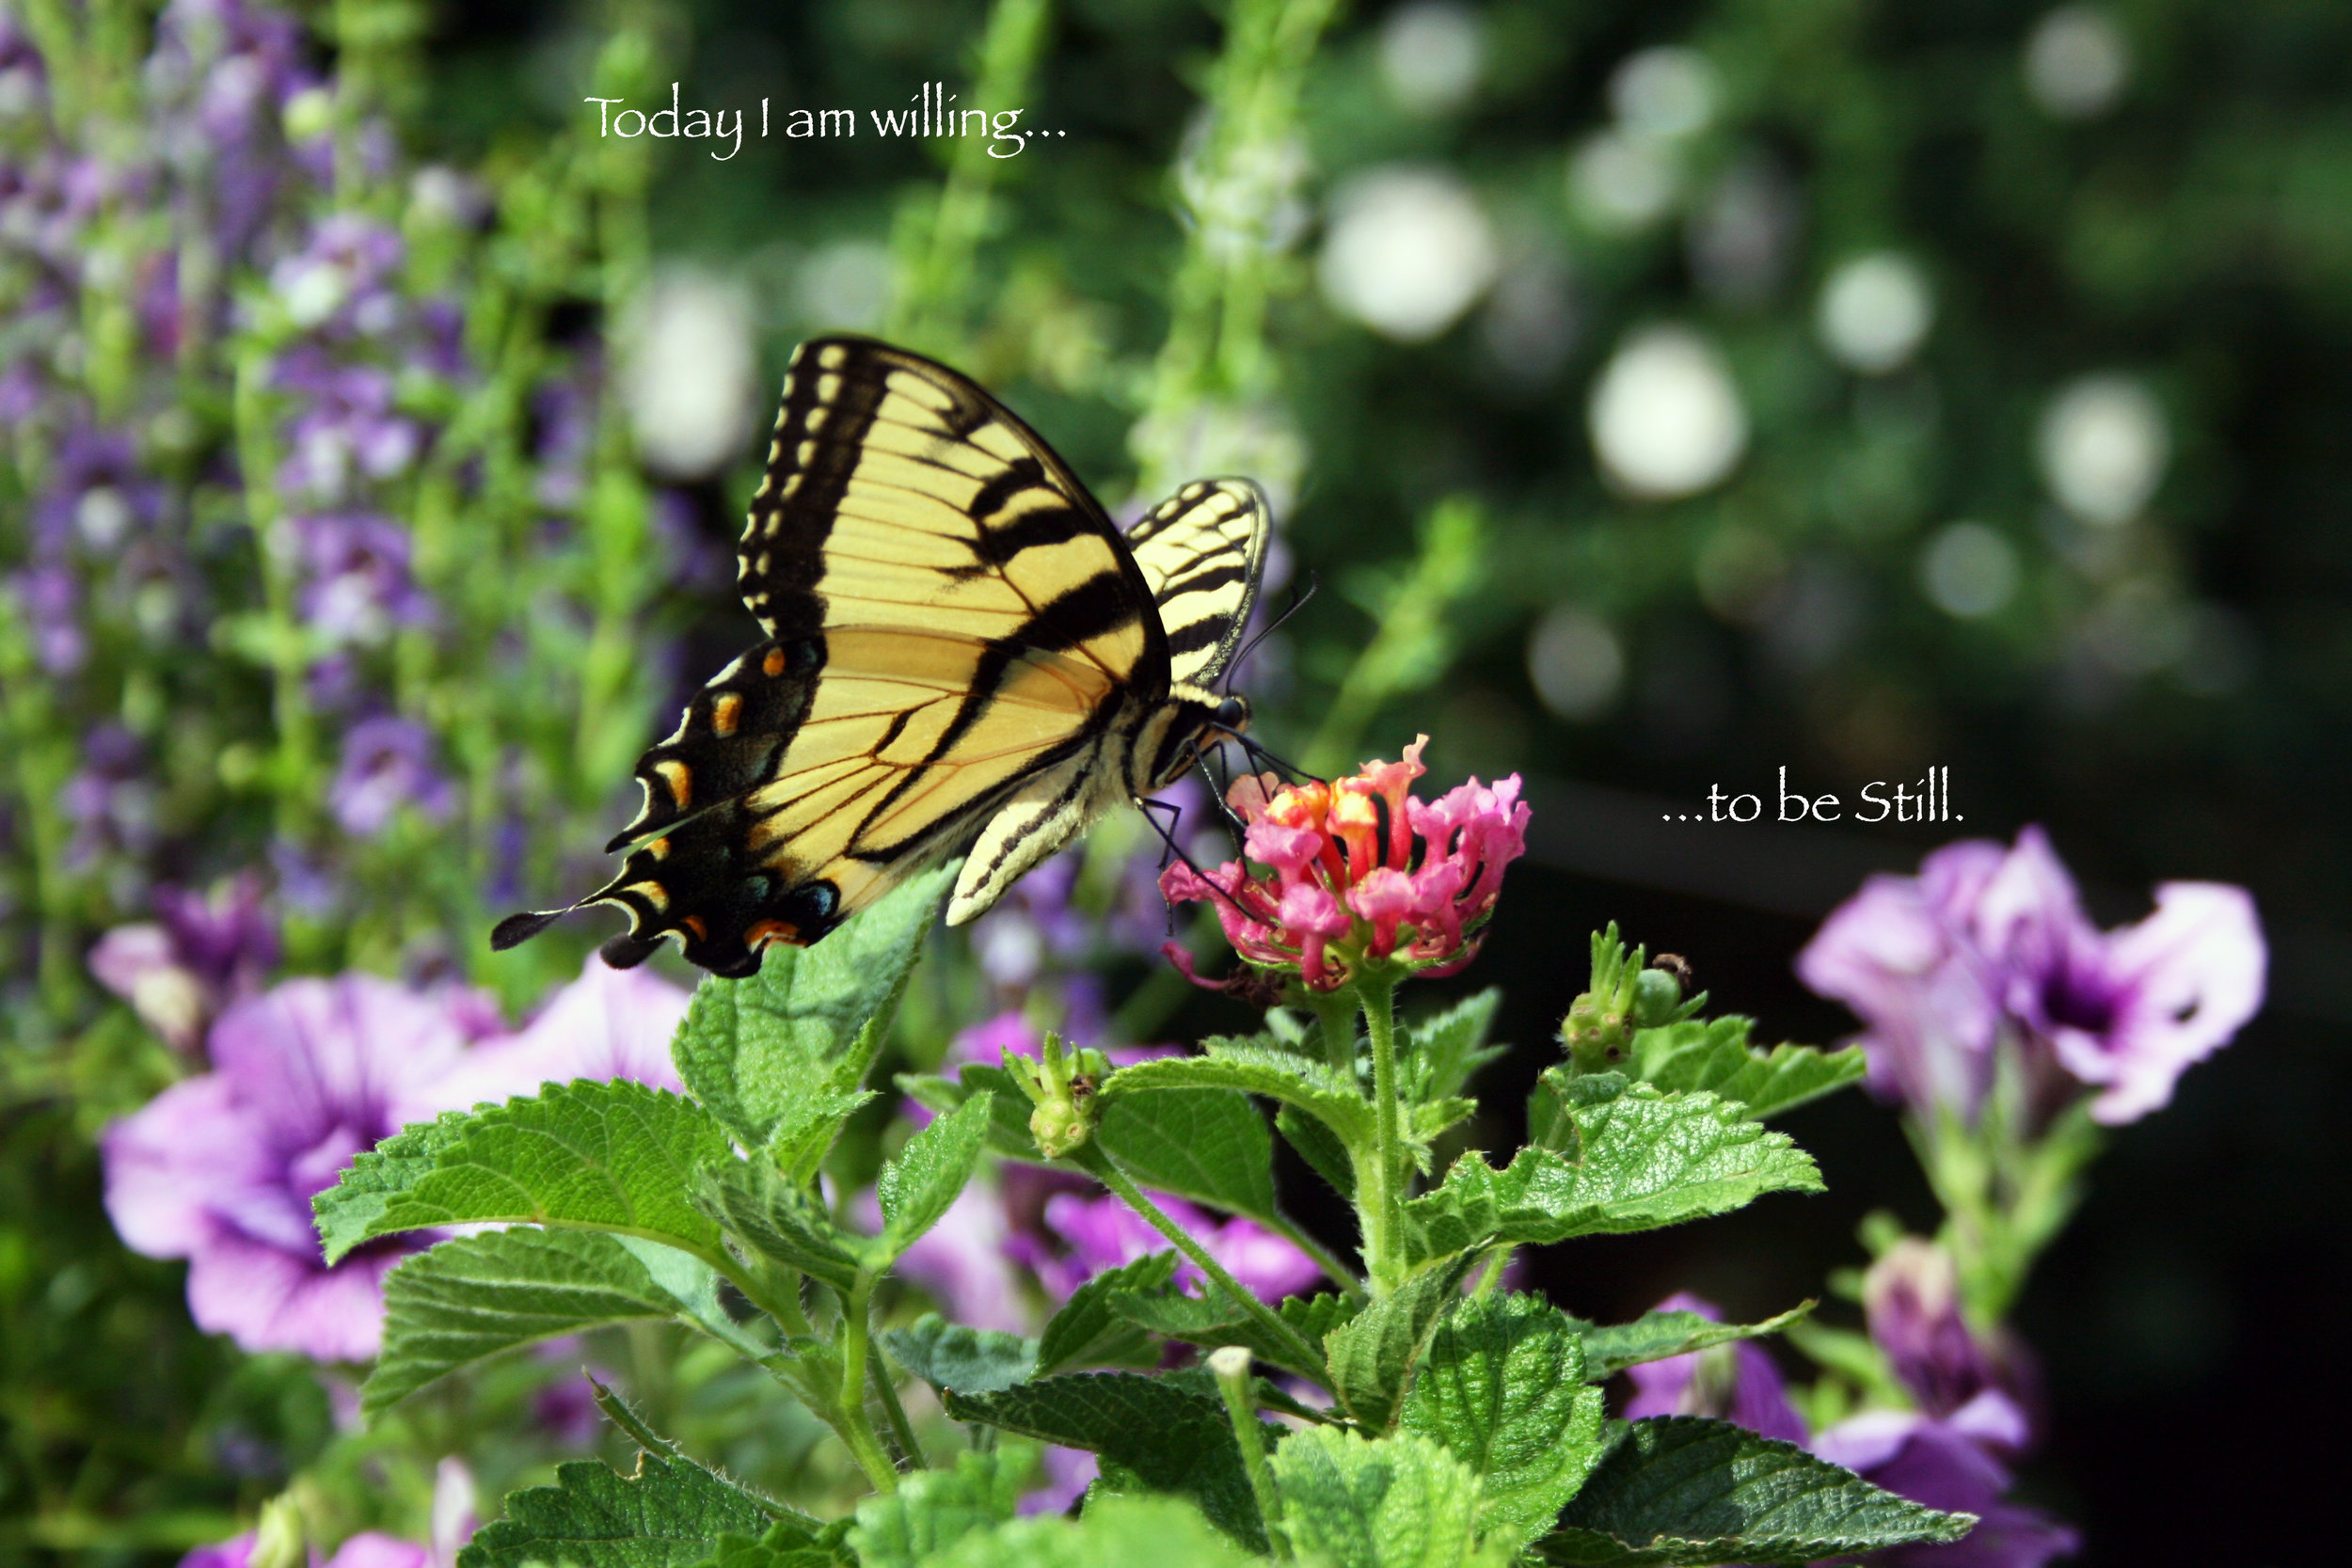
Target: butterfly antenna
[(1298, 602)]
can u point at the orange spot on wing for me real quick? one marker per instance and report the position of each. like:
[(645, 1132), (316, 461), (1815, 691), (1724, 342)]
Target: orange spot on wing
[(660, 848), (694, 923), (766, 932), (773, 663), (724, 710), (681, 781)]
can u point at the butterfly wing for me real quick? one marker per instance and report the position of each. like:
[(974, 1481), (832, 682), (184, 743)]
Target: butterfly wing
[(1201, 552), (950, 616)]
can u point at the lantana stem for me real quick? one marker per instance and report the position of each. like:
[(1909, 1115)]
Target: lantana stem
[(1231, 1368), (1381, 1201), (849, 1417), (1128, 1193)]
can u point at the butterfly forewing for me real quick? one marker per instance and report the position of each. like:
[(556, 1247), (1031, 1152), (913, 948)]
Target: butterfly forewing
[(951, 618), (1200, 552)]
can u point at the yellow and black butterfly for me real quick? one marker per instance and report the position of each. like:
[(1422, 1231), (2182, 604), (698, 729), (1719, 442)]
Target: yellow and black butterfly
[(962, 650)]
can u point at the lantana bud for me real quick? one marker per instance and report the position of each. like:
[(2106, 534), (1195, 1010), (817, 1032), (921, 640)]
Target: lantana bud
[(1061, 1095), (1622, 998)]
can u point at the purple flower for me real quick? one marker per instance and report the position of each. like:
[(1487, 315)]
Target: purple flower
[(220, 1169), (963, 1262), (1949, 1462), (356, 586), (1099, 1233), (345, 431), (51, 599), (179, 970), (387, 763), (609, 1024), (1736, 1382), (1987, 945), (341, 280), (1911, 1296), (367, 1549)]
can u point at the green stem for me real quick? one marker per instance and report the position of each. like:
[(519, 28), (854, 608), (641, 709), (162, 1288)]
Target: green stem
[(1380, 1201), (289, 661), (1100, 1167), (1336, 1011), (901, 1430), (1230, 1367), (850, 1419), (1497, 1260)]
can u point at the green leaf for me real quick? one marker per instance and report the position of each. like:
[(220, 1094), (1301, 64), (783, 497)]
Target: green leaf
[(932, 1509), (1207, 1144), (1008, 1131), (1320, 1147), (1169, 1438), (1448, 1050), (475, 1297), (1282, 1075), (1641, 1161), (1715, 1055), (1395, 1502), (1655, 1336), (787, 1545), (1087, 1332), (771, 1213), (1502, 1387), (1685, 1490), (670, 1512), (924, 1182), (1116, 1532), (597, 1156), (968, 1360), (1372, 1355), (776, 1056), (1211, 1320)]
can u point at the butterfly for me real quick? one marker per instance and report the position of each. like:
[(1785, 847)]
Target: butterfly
[(962, 650)]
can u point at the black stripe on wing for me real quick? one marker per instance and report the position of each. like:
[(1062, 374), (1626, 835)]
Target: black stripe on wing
[(1202, 551)]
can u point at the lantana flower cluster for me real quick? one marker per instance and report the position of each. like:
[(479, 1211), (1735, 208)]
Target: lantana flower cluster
[(1358, 871)]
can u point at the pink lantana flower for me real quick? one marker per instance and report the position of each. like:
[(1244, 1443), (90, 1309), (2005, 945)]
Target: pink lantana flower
[(1358, 871)]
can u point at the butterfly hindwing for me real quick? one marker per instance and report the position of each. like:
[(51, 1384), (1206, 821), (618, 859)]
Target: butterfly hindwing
[(1201, 552)]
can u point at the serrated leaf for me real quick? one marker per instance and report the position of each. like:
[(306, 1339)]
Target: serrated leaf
[(669, 1512), (1686, 1490), (586, 1155), (476, 1296), (1115, 1533), (1210, 1145), (758, 1052), (771, 1213), (1656, 1336), (1448, 1050), (1395, 1502), (932, 1509), (1502, 1385), (1642, 1159), (1009, 1112), (695, 1285), (787, 1545), (1169, 1438), (1715, 1056), (1281, 1076), (924, 1180), (1086, 1332), (1320, 1147), (968, 1360), (1372, 1355), (1433, 1117)]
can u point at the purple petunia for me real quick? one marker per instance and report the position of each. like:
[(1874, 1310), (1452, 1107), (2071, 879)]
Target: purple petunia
[(367, 1549), (1099, 1233), (178, 971), (1737, 1381), (1988, 946), (220, 1169)]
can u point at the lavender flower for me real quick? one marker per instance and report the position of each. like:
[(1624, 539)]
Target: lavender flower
[(1949, 1464), (356, 587), (367, 1549), (1987, 945), (962, 1261), (387, 763), (1911, 1296), (220, 1169), (1099, 1233), (346, 429)]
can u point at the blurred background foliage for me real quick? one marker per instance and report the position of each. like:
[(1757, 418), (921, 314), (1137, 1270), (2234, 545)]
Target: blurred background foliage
[(1661, 395)]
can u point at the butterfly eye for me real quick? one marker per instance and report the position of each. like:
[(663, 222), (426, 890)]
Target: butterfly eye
[(1233, 715)]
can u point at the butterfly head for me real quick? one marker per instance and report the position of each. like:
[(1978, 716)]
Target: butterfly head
[(1192, 720)]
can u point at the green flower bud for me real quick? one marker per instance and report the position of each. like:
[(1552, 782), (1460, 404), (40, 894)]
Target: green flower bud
[(278, 1537), (1060, 1126), (1655, 998)]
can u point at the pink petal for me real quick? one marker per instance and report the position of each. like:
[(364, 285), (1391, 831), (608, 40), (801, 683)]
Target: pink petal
[(2192, 974), (267, 1299)]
